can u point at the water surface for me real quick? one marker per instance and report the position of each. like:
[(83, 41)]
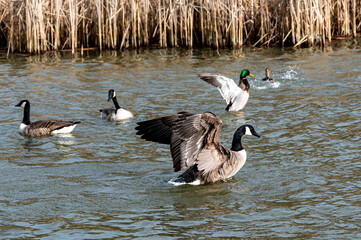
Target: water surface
[(302, 178)]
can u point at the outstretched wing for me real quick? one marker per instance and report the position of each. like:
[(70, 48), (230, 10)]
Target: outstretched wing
[(160, 129), (189, 136), (200, 142), (226, 86)]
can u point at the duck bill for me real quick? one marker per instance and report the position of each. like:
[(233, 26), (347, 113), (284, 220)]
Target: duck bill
[(251, 75)]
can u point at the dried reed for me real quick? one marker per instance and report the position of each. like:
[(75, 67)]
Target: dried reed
[(36, 26)]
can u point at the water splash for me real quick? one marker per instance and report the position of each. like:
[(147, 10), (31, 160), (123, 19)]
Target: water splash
[(291, 73), (281, 78)]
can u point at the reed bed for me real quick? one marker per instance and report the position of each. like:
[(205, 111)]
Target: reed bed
[(36, 26)]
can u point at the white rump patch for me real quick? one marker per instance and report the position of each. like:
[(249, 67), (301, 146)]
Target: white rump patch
[(196, 182), (248, 131), (68, 129), (123, 114)]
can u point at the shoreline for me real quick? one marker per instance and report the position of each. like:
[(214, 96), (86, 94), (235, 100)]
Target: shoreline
[(337, 42)]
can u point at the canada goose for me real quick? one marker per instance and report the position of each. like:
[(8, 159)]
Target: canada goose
[(115, 114), (235, 95), (42, 127), (195, 146), (267, 78)]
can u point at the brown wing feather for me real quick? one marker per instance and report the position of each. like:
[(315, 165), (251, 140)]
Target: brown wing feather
[(51, 124), (45, 127), (211, 158), (196, 133), (188, 134), (160, 129)]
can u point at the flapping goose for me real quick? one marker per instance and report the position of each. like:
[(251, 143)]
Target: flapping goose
[(115, 114), (267, 77), (42, 127), (235, 95), (195, 146)]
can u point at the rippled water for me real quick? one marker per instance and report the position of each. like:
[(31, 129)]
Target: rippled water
[(302, 178)]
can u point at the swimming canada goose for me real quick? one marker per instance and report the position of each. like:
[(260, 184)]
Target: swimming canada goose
[(115, 114), (42, 127), (267, 78), (235, 95), (195, 146)]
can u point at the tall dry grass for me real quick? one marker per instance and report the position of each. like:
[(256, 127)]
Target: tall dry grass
[(36, 26)]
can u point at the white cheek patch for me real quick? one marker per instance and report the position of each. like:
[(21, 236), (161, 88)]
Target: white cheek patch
[(248, 131), (23, 104)]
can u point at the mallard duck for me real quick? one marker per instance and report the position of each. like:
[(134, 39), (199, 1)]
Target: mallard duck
[(267, 78), (195, 146), (236, 96), (115, 114), (42, 127)]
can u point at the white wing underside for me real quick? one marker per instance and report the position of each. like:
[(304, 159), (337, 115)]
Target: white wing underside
[(228, 89), (235, 97)]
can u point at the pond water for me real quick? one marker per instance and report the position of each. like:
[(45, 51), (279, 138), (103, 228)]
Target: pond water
[(302, 178)]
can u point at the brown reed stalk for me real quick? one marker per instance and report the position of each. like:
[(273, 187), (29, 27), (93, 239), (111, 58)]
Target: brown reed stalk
[(36, 26)]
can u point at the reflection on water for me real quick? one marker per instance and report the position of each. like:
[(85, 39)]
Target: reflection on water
[(301, 179)]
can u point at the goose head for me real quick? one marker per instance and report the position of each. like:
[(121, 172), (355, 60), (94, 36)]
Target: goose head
[(246, 130), (245, 73), (111, 94), (23, 104), (240, 132)]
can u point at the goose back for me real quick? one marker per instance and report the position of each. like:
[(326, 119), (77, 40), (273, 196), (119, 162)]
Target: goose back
[(47, 127)]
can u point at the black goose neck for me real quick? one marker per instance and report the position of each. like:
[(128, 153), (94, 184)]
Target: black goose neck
[(116, 104), (236, 143), (26, 118)]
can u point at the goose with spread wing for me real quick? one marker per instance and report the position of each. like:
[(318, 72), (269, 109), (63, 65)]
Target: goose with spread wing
[(236, 96), (42, 127), (115, 114), (195, 146)]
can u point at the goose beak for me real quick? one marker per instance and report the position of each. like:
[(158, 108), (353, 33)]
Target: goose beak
[(17, 105), (110, 96), (251, 75), (255, 134)]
